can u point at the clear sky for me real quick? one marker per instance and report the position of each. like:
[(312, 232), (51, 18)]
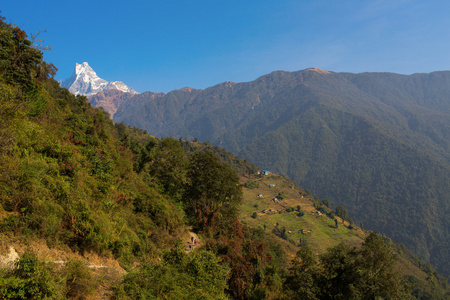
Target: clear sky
[(160, 46)]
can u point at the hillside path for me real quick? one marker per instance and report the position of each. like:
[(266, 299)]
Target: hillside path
[(188, 242)]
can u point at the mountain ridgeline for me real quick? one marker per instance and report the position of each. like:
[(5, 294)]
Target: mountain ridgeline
[(378, 143)]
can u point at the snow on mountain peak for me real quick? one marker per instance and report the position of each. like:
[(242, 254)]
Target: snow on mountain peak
[(83, 68), (84, 81)]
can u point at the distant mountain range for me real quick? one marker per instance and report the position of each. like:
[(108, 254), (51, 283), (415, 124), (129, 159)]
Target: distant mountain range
[(377, 143)]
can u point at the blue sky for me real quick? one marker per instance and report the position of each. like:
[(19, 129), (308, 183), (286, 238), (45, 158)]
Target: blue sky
[(160, 45)]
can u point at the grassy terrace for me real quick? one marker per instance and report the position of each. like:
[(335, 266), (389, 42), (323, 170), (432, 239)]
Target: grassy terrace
[(322, 233)]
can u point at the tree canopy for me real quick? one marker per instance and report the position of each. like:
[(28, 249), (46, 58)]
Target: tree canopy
[(346, 272), (213, 193)]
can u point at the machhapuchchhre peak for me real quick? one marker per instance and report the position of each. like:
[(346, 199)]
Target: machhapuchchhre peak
[(84, 81)]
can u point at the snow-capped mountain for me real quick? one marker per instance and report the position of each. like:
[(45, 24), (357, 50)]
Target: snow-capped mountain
[(84, 81)]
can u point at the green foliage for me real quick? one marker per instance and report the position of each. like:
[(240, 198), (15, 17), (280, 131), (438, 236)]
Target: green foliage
[(339, 266), (300, 212), (30, 279), (248, 252), (213, 194), (331, 215), (303, 279), (375, 270), (240, 166), (441, 281), (251, 184), (19, 61), (63, 176), (208, 273), (197, 276), (165, 161), (347, 273), (79, 281), (282, 233), (341, 212), (290, 209)]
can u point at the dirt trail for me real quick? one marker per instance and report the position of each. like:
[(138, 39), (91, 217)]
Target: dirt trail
[(191, 241)]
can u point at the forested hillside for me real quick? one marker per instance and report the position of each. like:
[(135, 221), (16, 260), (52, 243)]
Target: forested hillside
[(378, 143), (163, 215)]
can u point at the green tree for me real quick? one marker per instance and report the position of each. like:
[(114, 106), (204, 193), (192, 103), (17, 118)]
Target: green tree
[(338, 272), (19, 60), (375, 270), (302, 282), (365, 273), (341, 211), (208, 272), (168, 164), (213, 193)]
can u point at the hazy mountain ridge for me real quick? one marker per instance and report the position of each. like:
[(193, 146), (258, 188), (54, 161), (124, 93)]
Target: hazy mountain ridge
[(110, 100), (349, 137)]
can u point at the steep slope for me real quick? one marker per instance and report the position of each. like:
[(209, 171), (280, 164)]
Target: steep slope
[(378, 143), (110, 100), (295, 217)]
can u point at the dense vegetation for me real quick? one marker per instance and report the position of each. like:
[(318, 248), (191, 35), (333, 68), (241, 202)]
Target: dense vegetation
[(377, 143), (75, 181)]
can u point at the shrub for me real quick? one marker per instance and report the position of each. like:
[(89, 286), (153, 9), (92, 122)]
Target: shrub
[(251, 184), (79, 280), (197, 276), (322, 209), (331, 215), (303, 242), (31, 279), (326, 202), (280, 232)]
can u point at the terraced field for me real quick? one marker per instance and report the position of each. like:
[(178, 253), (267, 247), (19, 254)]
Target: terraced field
[(320, 231)]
